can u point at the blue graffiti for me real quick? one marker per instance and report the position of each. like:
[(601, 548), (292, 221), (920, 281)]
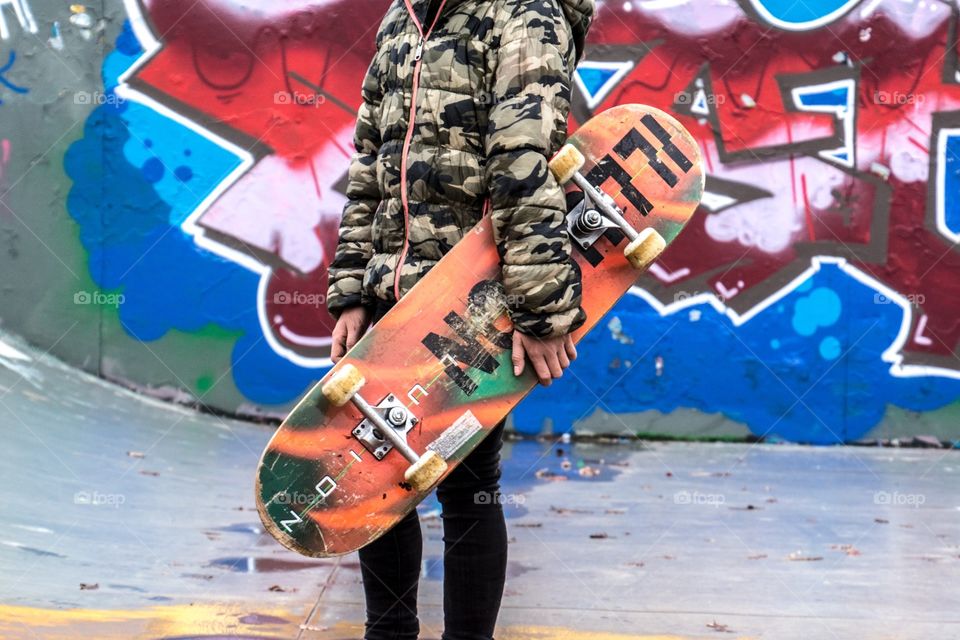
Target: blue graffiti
[(7, 83), (822, 380), (807, 369), (129, 208), (810, 14), (820, 309), (597, 79), (950, 195)]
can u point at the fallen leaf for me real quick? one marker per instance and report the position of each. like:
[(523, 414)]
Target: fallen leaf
[(848, 549), (565, 511), (722, 628), (546, 474)]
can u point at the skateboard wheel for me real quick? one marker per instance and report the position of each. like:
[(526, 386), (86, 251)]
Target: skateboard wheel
[(566, 163), (425, 472), (342, 385), (643, 251)]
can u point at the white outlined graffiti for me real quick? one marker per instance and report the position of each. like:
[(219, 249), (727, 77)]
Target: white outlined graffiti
[(246, 259), (21, 8)]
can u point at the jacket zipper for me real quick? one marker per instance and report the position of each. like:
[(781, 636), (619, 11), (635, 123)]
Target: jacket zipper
[(404, 197)]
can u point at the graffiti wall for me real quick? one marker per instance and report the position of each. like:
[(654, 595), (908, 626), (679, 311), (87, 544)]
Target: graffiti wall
[(172, 174)]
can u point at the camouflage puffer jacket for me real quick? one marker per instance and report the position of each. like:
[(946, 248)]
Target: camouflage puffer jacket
[(488, 86)]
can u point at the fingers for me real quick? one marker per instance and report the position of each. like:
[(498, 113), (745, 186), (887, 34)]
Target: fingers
[(518, 357), (346, 333), (354, 333), (552, 360), (562, 357), (548, 357), (540, 365), (338, 345)]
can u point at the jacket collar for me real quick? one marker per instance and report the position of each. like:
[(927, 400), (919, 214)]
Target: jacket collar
[(420, 7)]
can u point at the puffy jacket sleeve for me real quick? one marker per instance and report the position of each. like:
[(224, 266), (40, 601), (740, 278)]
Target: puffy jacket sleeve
[(355, 240), (527, 125)]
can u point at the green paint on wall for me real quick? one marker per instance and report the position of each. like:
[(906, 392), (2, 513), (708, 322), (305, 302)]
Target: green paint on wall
[(205, 383)]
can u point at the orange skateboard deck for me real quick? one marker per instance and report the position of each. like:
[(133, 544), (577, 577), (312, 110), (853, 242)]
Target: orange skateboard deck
[(436, 369)]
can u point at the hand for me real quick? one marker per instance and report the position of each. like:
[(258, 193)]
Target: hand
[(548, 356), (351, 325)]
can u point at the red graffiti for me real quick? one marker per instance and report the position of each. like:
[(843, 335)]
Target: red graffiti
[(795, 173), (876, 212), (284, 88)]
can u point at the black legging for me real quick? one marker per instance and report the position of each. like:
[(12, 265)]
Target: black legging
[(474, 557)]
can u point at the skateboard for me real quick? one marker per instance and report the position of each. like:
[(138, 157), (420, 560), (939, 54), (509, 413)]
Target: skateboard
[(431, 379)]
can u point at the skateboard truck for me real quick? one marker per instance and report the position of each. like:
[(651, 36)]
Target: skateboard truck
[(384, 427), (392, 415), (587, 223)]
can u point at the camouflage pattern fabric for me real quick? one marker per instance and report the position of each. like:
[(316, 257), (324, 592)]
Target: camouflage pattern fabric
[(491, 108)]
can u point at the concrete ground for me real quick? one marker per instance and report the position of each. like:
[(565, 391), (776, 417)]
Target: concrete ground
[(123, 517)]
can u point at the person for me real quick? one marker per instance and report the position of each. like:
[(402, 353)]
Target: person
[(463, 104)]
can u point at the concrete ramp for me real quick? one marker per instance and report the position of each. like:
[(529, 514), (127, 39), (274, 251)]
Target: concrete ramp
[(124, 517), (127, 517)]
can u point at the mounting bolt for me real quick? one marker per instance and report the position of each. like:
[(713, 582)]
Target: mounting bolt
[(397, 416), (592, 219)]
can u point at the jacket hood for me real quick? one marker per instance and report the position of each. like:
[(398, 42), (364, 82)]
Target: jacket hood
[(579, 14)]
